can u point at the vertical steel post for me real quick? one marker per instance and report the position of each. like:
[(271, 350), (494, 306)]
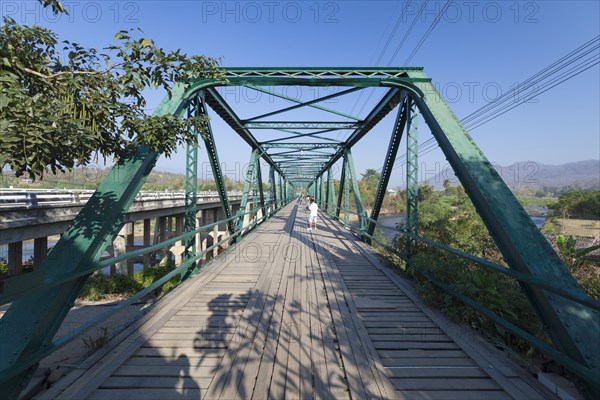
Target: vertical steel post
[(355, 189), (330, 193), (247, 186), (272, 191), (255, 196), (347, 191), (412, 177), (342, 190), (261, 191), (191, 188), (322, 196), (281, 194)]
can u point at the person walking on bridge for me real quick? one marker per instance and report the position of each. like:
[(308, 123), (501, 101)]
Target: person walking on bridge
[(312, 217)]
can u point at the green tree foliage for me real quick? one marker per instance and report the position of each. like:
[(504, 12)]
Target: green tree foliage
[(453, 220), (578, 204), (450, 218), (368, 189), (56, 113)]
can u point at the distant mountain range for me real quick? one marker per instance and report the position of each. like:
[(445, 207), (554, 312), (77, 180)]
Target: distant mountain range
[(537, 176)]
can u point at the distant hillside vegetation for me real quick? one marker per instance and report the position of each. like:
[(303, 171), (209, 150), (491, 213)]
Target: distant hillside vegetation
[(90, 178), (531, 176)]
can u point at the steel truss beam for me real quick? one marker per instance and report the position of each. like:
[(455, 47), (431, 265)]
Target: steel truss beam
[(280, 187), (412, 177), (213, 157), (301, 103), (330, 193), (301, 125), (342, 190), (304, 146), (318, 72), (220, 106), (296, 135), (355, 189), (389, 101), (322, 196), (191, 188), (249, 183), (31, 322), (388, 165), (272, 191), (573, 328)]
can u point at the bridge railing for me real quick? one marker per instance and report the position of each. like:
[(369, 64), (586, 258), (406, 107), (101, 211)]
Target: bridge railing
[(561, 357), (20, 286), (33, 198)]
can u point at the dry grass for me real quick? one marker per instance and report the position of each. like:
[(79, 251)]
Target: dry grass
[(579, 227)]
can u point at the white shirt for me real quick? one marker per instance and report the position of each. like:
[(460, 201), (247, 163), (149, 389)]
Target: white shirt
[(313, 209)]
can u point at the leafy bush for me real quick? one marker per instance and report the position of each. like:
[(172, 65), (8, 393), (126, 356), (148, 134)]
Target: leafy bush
[(100, 287), (498, 293)]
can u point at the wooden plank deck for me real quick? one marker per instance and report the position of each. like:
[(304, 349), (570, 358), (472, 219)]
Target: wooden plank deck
[(290, 313)]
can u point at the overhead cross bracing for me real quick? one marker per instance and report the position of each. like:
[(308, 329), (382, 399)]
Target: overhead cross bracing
[(304, 138)]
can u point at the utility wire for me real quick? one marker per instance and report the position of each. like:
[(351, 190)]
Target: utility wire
[(554, 75)]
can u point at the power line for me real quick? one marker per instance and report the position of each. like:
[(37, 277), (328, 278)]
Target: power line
[(549, 77), (419, 44), (381, 54)]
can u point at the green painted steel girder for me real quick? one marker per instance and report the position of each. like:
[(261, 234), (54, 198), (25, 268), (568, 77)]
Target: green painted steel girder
[(573, 328), (388, 164), (330, 193), (261, 197), (38, 316), (248, 184), (389, 101), (312, 135), (354, 187), (412, 177), (301, 125), (215, 165), (318, 72), (191, 189), (272, 190), (304, 146), (301, 103), (342, 189), (220, 106), (280, 189)]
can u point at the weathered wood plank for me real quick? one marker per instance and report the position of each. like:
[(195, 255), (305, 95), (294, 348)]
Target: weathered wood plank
[(436, 372), (146, 394), (169, 370), (127, 382), (334, 382), (363, 381), (445, 384), (427, 362), (179, 361), (455, 395), (482, 353)]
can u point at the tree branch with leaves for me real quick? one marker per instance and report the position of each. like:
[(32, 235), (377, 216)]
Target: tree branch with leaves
[(63, 105)]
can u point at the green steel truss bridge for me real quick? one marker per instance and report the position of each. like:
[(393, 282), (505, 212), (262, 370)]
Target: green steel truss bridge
[(326, 321)]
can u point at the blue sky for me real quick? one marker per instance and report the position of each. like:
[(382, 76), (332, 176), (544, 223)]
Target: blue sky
[(484, 45)]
